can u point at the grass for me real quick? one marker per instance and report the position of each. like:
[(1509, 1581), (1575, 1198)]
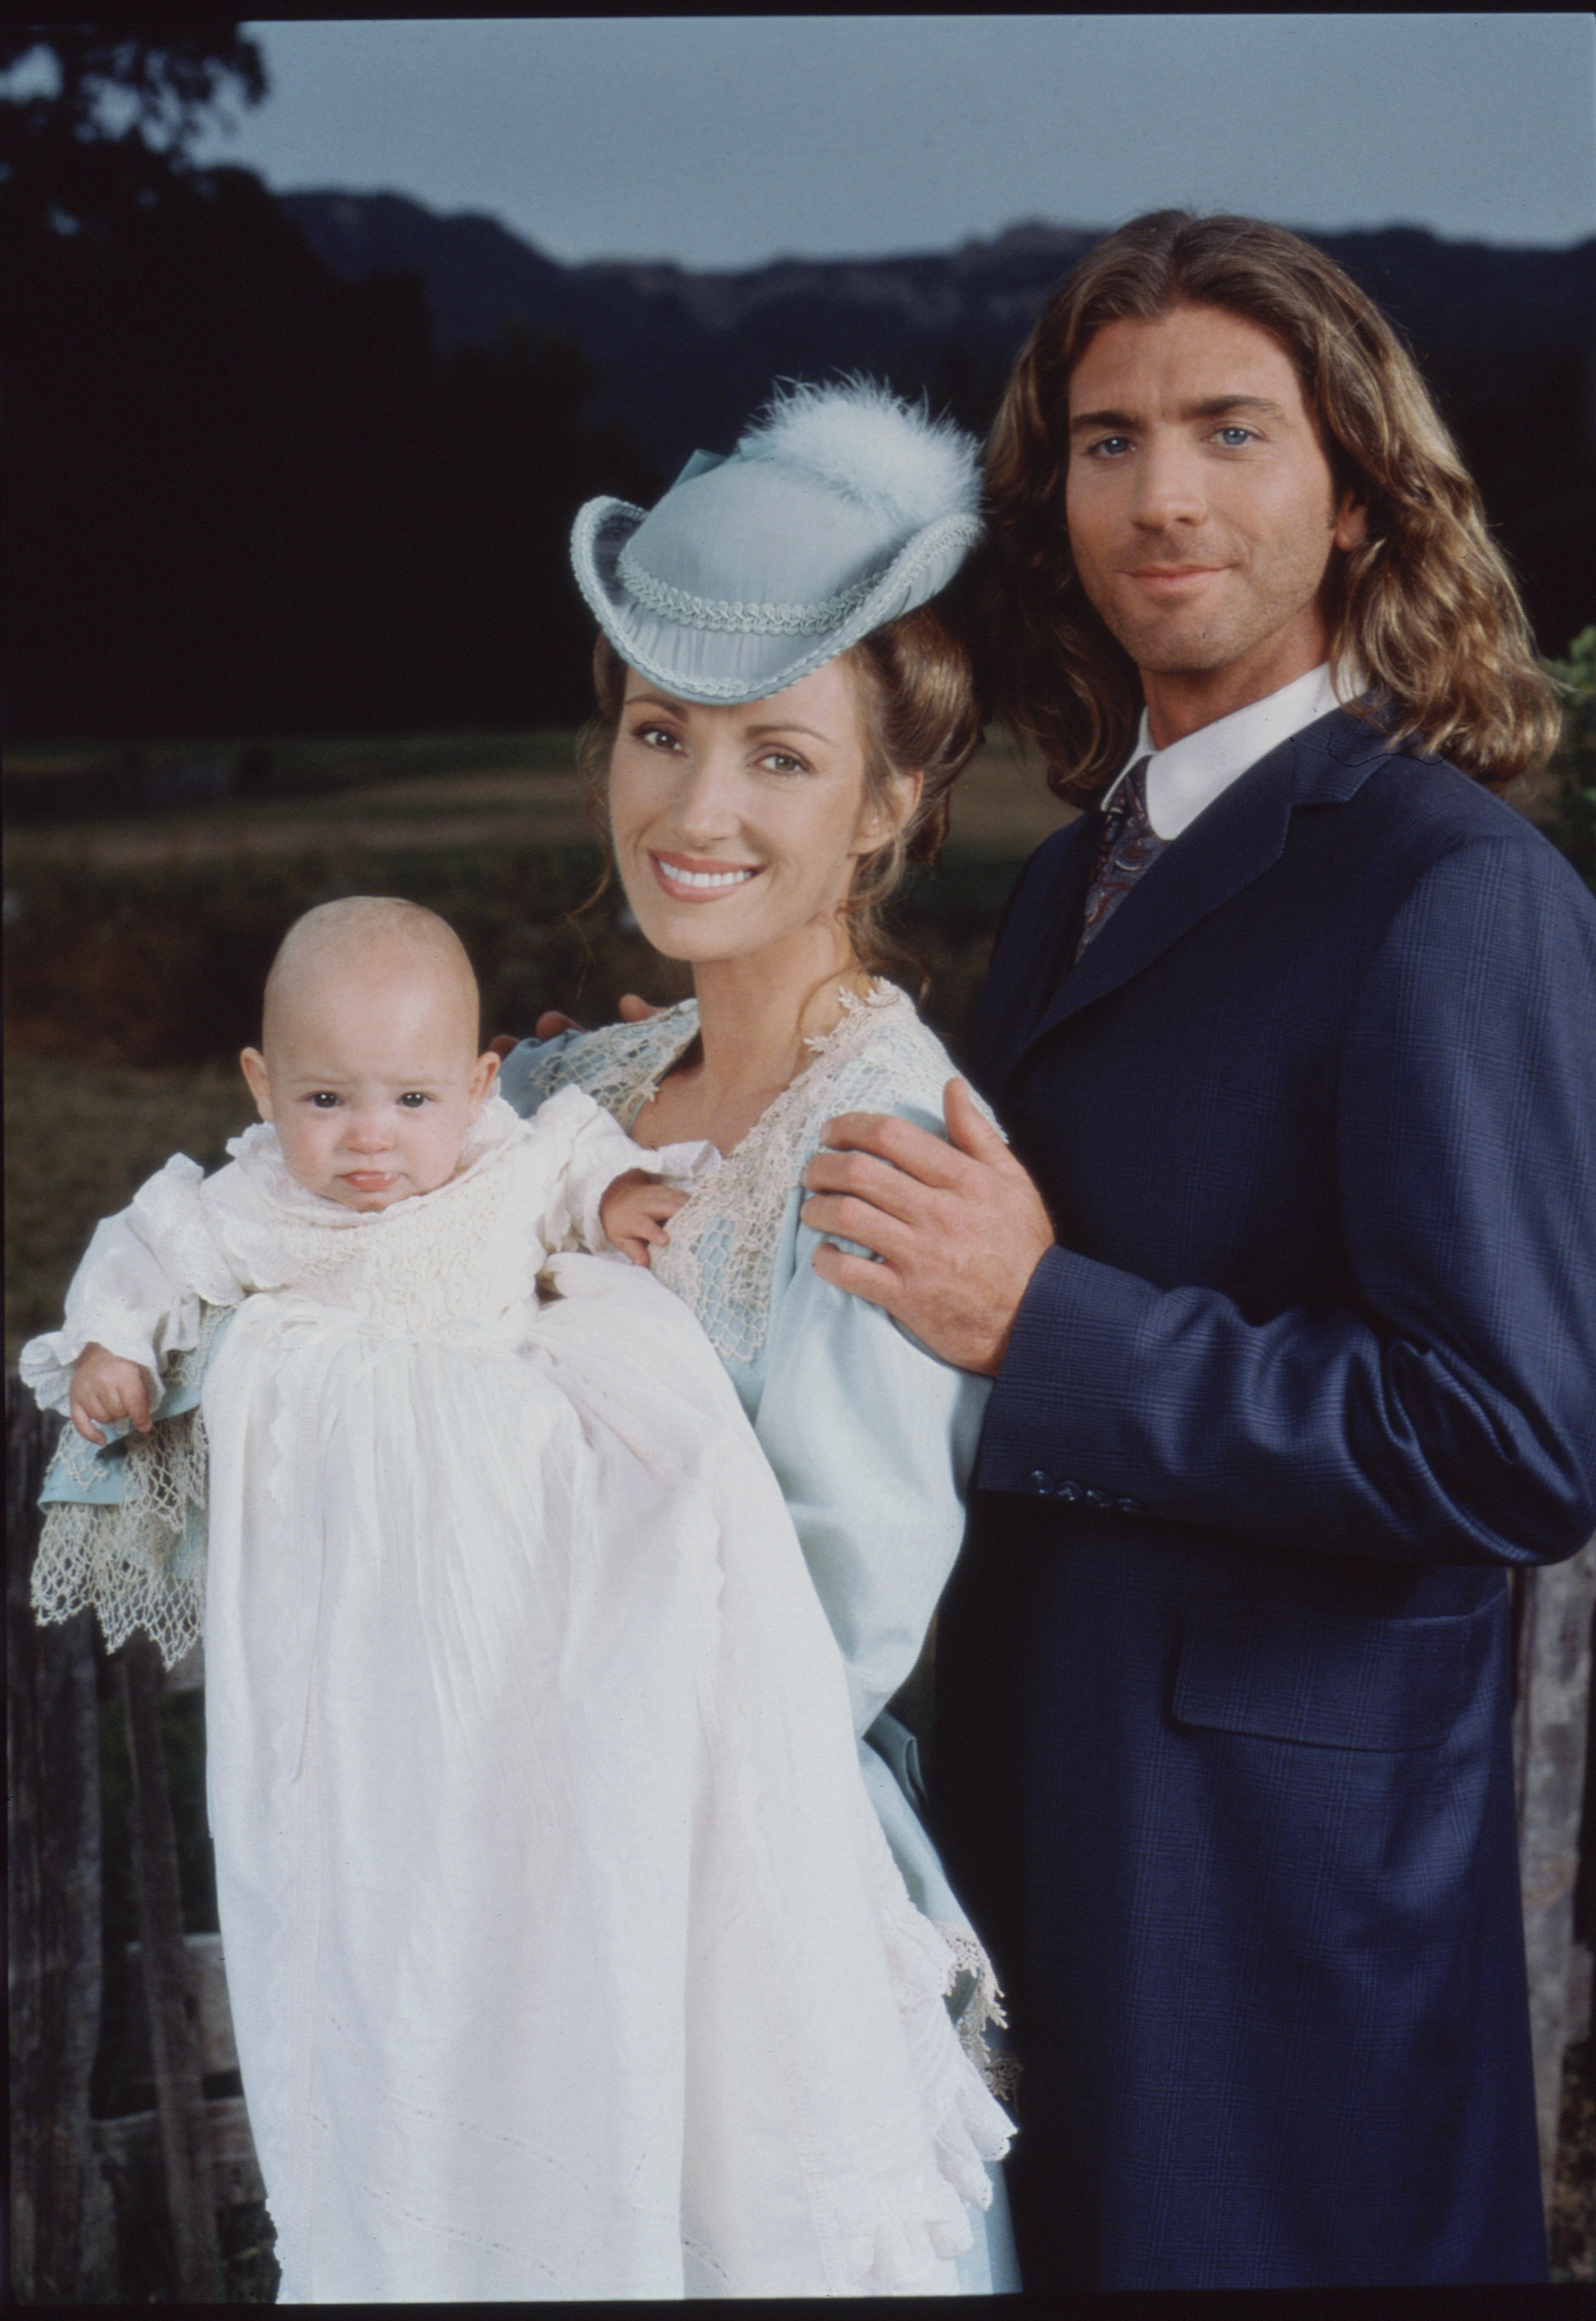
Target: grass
[(79, 1143), (137, 944)]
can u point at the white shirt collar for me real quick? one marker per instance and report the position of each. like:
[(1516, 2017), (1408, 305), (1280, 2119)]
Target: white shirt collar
[(1191, 773)]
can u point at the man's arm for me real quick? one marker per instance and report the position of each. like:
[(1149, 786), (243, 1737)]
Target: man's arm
[(1449, 1411)]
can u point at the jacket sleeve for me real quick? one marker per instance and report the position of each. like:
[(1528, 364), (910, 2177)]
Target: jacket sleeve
[(1449, 1413)]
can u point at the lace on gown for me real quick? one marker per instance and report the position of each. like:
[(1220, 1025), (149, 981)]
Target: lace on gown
[(123, 1528), (721, 1258)]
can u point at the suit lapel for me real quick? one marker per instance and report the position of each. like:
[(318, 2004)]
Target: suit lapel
[(1231, 843), (1034, 943)]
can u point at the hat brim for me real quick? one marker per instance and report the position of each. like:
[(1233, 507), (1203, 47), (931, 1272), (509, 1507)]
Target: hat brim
[(731, 665)]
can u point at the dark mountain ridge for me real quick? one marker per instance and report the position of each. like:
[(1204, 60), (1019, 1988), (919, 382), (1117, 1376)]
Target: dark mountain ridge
[(684, 355)]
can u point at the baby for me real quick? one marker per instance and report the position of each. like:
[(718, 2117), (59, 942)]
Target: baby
[(565, 1955), (368, 1072)]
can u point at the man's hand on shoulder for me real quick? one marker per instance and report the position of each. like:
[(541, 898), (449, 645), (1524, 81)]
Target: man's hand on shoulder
[(959, 1227)]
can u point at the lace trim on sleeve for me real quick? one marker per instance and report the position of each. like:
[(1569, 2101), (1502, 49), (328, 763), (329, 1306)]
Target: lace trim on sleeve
[(139, 1563)]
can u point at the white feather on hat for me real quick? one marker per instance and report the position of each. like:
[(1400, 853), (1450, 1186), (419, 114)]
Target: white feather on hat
[(865, 441), (841, 508)]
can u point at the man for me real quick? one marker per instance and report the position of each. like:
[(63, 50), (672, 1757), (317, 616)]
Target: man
[(1288, 1289)]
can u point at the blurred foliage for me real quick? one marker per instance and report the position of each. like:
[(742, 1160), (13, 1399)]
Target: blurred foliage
[(1573, 823), (84, 782), (97, 122), (243, 494)]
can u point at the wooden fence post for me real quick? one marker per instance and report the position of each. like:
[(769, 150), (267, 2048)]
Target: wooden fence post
[(179, 2092), (1551, 1721), (53, 1914)]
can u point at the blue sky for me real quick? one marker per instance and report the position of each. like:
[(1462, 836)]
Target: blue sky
[(724, 141)]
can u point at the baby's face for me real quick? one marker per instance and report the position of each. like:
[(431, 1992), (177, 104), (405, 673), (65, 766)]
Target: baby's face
[(372, 1080)]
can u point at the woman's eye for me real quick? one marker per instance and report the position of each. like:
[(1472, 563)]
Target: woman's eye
[(654, 737), (783, 761)]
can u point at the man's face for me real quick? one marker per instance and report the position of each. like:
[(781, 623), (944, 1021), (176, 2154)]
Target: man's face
[(1201, 510)]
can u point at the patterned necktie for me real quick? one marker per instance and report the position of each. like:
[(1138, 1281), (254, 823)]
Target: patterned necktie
[(1129, 844)]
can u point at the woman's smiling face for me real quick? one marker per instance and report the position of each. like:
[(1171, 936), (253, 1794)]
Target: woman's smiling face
[(737, 827)]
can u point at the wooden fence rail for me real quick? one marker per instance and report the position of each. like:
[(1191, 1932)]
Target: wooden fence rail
[(64, 2163)]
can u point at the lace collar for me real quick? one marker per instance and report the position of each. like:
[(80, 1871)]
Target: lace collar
[(640, 1055), (721, 1255), (722, 1252)]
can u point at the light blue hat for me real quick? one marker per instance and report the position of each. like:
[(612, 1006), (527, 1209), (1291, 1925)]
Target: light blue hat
[(841, 507)]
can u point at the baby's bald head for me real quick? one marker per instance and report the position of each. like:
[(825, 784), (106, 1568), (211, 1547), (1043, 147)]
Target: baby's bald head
[(368, 940), (368, 1064)]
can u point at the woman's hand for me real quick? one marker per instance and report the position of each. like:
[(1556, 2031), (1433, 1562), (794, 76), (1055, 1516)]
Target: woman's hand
[(959, 1228), (106, 1386), (635, 1211), (551, 1023)]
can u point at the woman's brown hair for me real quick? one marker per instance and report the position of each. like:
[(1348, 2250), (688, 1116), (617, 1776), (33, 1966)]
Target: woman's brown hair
[(1425, 610), (916, 687)]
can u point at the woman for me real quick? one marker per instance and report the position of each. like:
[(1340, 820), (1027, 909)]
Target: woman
[(782, 717)]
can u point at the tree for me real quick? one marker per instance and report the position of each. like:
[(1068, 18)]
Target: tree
[(95, 121), (245, 495)]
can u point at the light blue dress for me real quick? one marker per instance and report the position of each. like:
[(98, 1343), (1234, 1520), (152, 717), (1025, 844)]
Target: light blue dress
[(872, 1437)]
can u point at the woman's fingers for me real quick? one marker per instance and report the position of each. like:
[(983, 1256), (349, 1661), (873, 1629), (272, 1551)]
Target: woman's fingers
[(551, 1023)]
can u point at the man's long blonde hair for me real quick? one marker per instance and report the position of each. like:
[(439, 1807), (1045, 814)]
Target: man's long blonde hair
[(1426, 608)]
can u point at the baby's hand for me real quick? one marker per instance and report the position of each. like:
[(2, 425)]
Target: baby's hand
[(634, 1212), (106, 1387)]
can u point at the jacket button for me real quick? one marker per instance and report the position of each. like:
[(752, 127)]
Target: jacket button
[(1130, 1507), (1099, 1500), (1071, 1491), (1042, 1480)]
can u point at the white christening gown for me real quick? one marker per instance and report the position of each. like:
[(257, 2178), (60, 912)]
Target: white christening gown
[(567, 1958)]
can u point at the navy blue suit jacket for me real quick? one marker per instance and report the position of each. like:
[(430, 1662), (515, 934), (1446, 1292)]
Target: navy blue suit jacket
[(1223, 1749)]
